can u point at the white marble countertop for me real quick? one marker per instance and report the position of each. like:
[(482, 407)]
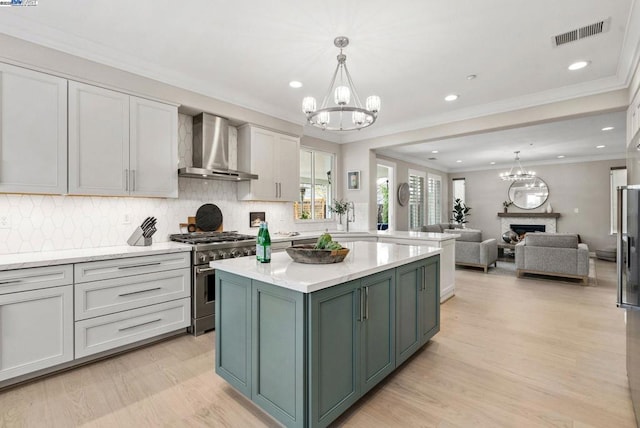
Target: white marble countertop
[(365, 258), (50, 258), (397, 234)]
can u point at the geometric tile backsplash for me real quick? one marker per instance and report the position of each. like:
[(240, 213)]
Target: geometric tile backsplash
[(55, 222)]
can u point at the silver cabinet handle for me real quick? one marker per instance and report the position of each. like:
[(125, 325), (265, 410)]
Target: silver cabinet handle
[(276, 189), (126, 179), (280, 189), (424, 278), (137, 266), (13, 281), (361, 308), (366, 305), (140, 291), (133, 180), (139, 325)]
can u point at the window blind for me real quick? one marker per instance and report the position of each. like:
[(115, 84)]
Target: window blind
[(416, 201), (434, 198)]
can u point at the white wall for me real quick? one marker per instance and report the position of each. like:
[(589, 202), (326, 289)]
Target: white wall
[(584, 186), (42, 223)]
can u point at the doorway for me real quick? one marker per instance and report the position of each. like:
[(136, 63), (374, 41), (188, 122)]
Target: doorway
[(385, 185)]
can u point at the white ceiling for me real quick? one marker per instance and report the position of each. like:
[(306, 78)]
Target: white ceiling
[(576, 139), (410, 53)]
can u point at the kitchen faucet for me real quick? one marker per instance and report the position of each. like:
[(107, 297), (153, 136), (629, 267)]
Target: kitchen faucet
[(352, 207)]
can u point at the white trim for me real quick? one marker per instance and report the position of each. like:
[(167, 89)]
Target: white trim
[(393, 179)]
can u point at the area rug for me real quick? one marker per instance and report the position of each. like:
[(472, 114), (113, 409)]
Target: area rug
[(509, 269)]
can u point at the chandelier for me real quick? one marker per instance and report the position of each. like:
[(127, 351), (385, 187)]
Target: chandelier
[(517, 173), (342, 116)]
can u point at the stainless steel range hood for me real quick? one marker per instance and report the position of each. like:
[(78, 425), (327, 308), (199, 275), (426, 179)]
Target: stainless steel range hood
[(211, 151)]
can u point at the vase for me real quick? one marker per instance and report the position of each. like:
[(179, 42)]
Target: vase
[(340, 227), (505, 210), (549, 209)]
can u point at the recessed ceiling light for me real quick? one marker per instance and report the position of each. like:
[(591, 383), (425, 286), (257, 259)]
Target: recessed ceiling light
[(295, 84), (492, 163), (560, 156), (434, 151), (608, 128), (472, 76), (578, 65), (451, 97), (601, 146), (458, 161)]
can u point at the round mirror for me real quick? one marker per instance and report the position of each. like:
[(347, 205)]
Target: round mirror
[(529, 194)]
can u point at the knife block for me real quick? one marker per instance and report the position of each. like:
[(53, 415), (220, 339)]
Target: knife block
[(137, 240)]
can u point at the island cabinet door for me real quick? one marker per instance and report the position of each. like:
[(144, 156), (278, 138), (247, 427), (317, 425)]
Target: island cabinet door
[(277, 360), (378, 328), (409, 286), (430, 307), (233, 330), (334, 360)]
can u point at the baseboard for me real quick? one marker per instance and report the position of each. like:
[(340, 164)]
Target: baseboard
[(447, 293)]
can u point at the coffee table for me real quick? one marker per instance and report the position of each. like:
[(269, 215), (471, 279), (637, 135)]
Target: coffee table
[(509, 256)]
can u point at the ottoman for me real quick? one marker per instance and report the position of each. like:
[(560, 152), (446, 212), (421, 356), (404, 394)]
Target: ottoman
[(608, 254)]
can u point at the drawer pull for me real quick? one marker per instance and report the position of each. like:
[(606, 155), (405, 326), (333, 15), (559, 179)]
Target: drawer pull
[(139, 325), (139, 291), (137, 266), (13, 281)]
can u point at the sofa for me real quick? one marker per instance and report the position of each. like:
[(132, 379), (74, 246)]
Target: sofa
[(555, 254), (472, 250), (440, 227)]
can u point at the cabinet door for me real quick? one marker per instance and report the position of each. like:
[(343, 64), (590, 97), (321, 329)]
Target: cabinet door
[(278, 364), (153, 148), (334, 360), (36, 330), (378, 328), (408, 295), (233, 333), (33, 132), (98, 141), (256, 155), (430, 304), (287, 159)]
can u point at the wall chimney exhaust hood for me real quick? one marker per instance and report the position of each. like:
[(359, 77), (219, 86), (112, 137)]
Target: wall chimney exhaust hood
[(211, 151)]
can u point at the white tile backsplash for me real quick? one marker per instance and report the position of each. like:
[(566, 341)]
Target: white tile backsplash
[(52, 222)]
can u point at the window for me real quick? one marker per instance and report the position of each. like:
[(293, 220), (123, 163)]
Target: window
[(618, 177), (316, 185), (416, 199), (458, 189), (434, 199)]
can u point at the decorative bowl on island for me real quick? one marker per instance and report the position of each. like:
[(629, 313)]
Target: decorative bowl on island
[(310, 255)]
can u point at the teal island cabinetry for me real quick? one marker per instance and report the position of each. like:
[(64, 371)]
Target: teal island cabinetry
[(305, 342)]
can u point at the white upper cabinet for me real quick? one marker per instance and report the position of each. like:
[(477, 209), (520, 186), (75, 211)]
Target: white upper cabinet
[(33, 131), (153, 148), (275, 158), (98, 141), (121, 145)]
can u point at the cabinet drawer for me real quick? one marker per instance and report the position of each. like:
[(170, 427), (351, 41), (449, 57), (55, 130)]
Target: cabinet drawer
[(12, 281), (98, 298), (111, 331), (119, 268)]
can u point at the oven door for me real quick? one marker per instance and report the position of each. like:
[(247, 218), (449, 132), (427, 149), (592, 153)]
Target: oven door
[(204, 299)]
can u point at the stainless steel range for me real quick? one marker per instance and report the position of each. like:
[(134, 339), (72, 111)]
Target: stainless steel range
[(208, 246)]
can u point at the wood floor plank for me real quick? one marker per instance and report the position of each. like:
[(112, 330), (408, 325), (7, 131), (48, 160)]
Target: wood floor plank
[(512, 352)]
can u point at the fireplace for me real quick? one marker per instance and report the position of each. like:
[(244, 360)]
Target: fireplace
[(523, 229)]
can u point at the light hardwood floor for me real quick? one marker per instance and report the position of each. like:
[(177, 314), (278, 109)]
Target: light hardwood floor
[(511, 353)]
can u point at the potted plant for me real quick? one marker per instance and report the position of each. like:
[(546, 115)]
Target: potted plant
[(460, 212), (339, 207), (506, 205)]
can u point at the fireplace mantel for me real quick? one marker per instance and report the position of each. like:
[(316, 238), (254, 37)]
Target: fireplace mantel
[(538, 215)]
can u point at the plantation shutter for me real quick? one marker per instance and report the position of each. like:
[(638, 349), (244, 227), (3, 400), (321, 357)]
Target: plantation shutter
[(416, 202), (434, 197)]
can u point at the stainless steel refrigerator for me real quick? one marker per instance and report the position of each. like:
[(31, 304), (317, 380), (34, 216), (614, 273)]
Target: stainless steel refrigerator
[(628, 262)]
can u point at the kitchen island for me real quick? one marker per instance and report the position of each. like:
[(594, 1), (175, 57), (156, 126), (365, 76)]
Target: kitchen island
[(305, 342)]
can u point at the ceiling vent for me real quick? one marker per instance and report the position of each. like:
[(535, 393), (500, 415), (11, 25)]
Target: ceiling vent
[(581, 33)]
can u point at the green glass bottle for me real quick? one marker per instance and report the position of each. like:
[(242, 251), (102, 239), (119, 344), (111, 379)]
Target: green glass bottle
[(259, 243), (266, 244)]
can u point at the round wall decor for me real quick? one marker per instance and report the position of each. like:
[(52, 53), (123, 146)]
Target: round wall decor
[(403, 194)]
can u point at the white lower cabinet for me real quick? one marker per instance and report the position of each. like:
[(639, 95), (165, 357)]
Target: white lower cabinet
[(36, 330), (122, 328)]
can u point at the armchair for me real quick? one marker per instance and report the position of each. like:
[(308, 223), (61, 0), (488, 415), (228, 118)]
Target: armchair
[(556, 254), (471, 250)]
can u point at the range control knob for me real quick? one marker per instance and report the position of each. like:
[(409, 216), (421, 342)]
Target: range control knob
[(223, 254), (202, 257), (236, 253), (247, 251), (214, 256)]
